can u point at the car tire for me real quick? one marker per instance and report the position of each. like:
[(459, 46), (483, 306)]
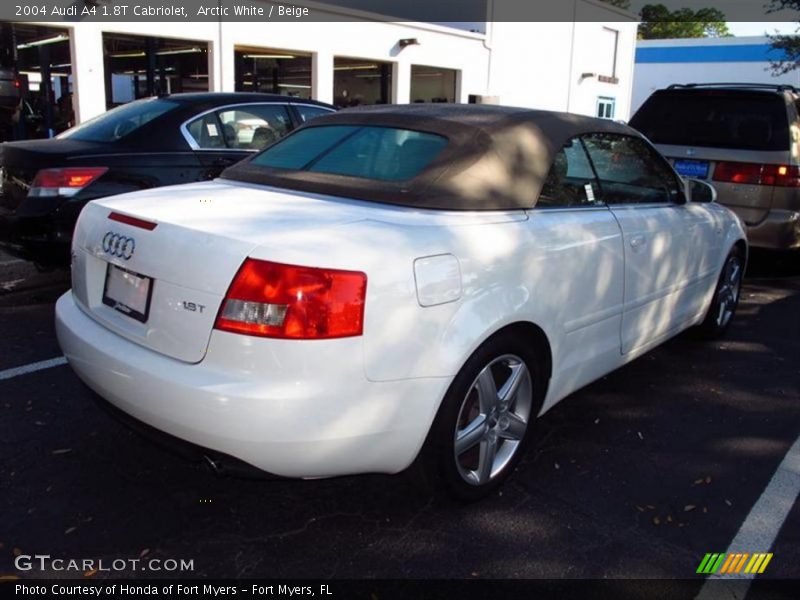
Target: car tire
[(726, 297), (484, 423)]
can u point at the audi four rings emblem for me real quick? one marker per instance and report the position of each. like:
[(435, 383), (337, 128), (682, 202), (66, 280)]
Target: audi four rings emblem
[(118, 245)]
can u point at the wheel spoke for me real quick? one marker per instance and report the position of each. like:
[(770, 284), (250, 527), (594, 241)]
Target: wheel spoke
[(487, 391), (486, 460), (470, 435), (516, 427), (735, 281), (509, 389)]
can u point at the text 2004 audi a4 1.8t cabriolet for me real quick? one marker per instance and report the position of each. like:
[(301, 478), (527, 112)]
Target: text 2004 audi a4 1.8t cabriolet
[(388, 283)]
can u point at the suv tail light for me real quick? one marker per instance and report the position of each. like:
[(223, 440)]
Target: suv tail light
[(757, 174), (64, 182), (284, 301)]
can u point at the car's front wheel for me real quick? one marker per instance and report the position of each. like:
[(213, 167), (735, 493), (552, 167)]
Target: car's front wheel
[(484, 422)]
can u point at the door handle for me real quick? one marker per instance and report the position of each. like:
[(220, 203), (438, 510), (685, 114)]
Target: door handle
[(637, 242)]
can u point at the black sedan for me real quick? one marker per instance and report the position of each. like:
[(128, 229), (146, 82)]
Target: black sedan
[(158, 141)]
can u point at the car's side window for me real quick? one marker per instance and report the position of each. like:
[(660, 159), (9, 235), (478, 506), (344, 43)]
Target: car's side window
[(630, 171), (249, 127), (571, 181), (308, 112), (206, 132), (254, 127)]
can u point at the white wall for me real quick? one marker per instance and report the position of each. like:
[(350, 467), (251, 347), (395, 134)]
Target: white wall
[(540, 65), (586, 90)]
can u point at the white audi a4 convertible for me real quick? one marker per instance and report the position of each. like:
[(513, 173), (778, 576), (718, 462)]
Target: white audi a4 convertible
[(395, 283)]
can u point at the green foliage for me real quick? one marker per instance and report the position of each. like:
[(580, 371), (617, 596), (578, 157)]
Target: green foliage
[(658, 22), (788, 45)]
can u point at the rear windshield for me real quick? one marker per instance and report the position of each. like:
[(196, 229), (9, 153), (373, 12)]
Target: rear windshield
[(380, 153), (715, 119), (121, 121)]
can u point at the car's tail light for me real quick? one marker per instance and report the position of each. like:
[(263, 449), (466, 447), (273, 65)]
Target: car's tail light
[(285, 301), (757, 174), (64, 182), (781, 175)]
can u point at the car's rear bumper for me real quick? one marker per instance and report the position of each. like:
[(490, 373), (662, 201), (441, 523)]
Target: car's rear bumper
[(779, 231), (291, 408)]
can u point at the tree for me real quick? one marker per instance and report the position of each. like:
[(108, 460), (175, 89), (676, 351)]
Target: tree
[(658, 22), (788, 46)]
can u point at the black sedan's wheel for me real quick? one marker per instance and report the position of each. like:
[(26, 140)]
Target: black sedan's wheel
[(485, 419), (726, 297)]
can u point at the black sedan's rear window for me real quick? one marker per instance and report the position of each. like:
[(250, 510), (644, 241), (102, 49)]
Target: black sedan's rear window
[(379, 153), (121, 121), (715, 119)]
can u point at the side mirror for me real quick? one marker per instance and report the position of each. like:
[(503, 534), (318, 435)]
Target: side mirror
[(699, 191)]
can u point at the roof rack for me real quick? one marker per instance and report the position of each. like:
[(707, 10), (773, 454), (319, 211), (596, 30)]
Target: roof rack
[(780, 87)]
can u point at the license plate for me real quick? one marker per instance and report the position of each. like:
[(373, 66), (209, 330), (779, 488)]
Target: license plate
[(128, 292), (692, 168)]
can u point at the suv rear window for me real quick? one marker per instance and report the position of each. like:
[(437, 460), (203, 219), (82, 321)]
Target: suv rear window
[(380, 153), (121, 121), (715, 119)]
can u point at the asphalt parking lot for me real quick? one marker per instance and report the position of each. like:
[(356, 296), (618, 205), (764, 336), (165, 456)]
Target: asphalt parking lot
[(636, 476)]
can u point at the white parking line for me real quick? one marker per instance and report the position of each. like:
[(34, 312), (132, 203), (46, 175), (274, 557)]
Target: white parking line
[(33, 367), (761, 527), (14, 261)]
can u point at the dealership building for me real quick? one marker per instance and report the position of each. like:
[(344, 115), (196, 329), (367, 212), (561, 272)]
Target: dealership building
[(584, 66)]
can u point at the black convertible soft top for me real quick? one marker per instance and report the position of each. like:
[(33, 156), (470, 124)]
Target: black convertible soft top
[(496, 158)]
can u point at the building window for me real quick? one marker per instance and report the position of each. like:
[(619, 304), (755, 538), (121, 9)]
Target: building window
[(272, 71), (432, 84), (359, 81), (607, 52), (606, 107)]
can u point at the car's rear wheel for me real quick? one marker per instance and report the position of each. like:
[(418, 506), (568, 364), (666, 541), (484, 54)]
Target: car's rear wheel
[(726, 297), (485, 420)]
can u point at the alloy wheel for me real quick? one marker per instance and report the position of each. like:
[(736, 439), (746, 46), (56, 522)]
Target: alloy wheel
[(493, 419)]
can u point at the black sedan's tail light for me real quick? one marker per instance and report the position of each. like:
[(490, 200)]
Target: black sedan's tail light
[(64, 182)]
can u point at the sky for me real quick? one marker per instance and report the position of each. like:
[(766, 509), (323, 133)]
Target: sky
[(744, 28)]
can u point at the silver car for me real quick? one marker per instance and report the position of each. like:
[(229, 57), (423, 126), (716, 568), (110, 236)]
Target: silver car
[(745, 139)]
